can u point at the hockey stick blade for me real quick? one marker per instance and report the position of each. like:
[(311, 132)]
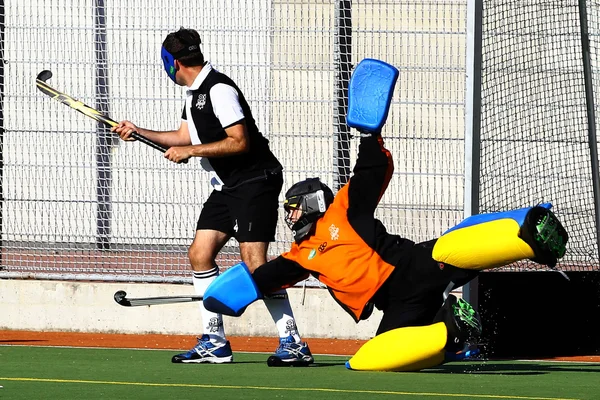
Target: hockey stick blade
[(44, 75), (86, 110), (121, 299)]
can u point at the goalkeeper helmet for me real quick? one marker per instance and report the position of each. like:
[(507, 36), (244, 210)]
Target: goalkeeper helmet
[(311, 198)]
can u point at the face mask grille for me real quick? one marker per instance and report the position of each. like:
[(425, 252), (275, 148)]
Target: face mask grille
[(291, 204)]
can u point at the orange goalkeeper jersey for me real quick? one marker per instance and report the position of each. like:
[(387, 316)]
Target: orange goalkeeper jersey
[(350, 250)]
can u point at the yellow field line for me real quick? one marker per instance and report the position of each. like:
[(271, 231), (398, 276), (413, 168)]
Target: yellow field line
[(288, 389)]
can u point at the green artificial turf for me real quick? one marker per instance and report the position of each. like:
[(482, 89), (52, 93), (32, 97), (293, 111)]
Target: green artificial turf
[(75, 373)]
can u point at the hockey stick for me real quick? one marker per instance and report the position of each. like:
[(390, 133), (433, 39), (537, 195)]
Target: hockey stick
[(41, 84), (121, 299)]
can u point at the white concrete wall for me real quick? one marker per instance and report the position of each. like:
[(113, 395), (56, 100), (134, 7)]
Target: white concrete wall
[(89, 307)]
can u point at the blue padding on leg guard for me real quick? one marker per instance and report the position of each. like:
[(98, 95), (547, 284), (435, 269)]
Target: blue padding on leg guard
[(370, 94), (232, 291), (518, 215)]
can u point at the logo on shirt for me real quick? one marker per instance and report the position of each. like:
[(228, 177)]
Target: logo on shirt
[(201, 101), (334, 231), (312, 254), (322, 247)]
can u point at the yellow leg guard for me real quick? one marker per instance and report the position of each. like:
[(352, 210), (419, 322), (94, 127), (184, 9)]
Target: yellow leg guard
[(486, 245), (403, 349)]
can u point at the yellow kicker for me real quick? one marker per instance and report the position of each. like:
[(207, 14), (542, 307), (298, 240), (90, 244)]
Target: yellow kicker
[(486, 245), (403, 349)]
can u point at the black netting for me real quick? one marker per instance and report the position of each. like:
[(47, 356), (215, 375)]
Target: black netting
[(534, 128)]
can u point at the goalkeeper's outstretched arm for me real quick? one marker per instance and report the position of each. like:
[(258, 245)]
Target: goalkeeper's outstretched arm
[(279, 273)]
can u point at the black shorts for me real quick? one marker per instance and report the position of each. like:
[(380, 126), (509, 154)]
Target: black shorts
[(247, 212), (413, 294)]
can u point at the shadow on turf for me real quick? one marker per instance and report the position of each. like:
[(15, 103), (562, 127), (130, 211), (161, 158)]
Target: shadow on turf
[(478, 368), (316, 364), (510, 369)]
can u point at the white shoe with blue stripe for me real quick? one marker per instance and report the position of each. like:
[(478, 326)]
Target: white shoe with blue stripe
[(206, 352), (291, 354)]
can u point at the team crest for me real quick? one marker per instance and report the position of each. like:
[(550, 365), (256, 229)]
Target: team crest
[(334, 231), (312, 254), (201, 101)]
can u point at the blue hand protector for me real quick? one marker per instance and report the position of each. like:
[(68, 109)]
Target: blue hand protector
[(232, 291)]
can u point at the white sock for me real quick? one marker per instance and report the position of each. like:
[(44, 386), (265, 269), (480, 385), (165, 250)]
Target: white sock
[(280, 309), (213, 322)]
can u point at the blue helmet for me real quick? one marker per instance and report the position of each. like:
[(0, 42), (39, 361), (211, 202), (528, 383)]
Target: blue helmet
[(183, 43), (168, 59)]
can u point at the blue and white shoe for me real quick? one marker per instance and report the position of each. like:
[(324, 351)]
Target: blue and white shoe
[(469, 352), (291, 354), (206, 352)]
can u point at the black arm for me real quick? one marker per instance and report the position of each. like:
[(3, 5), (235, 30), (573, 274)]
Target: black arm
[(372, 173), (278, 274)]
